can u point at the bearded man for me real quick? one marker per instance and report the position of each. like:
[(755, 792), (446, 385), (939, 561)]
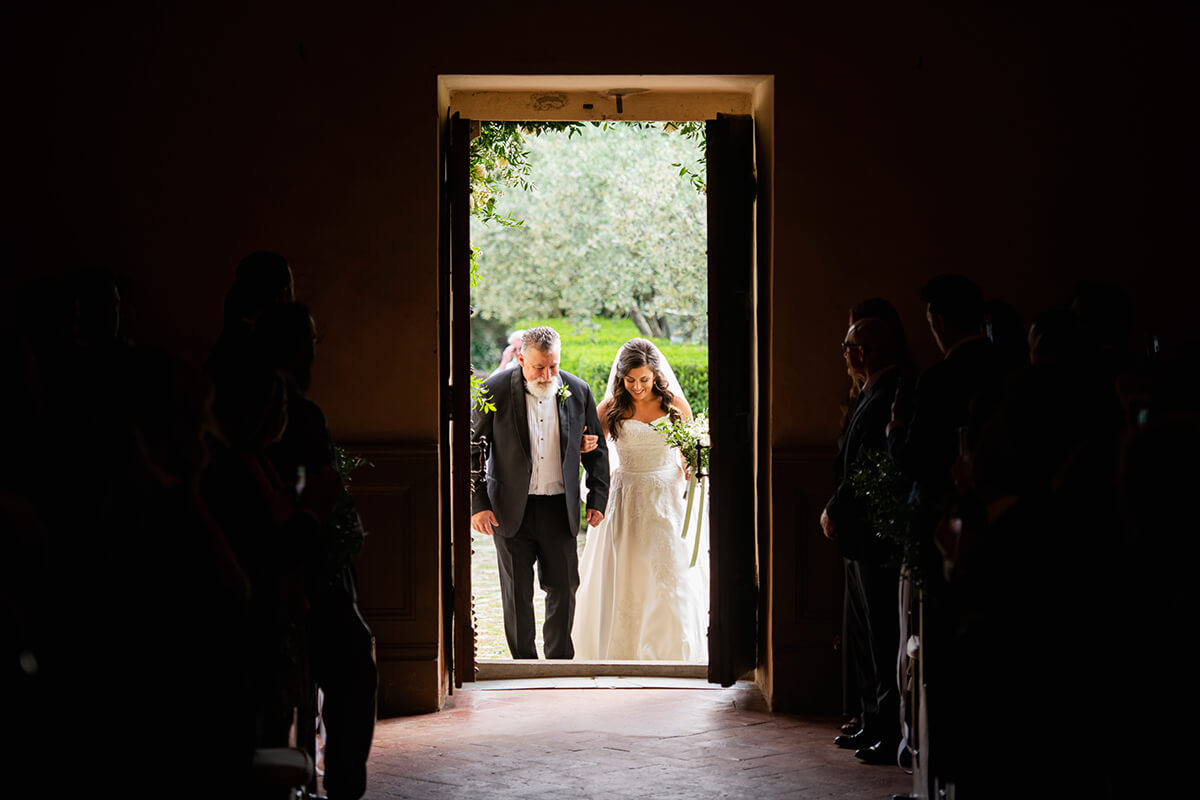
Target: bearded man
[(534, 442)]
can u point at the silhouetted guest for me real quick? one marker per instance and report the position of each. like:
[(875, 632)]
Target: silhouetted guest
[(56, 500), (270, 531), (342, 653), (26, 581), (263, 279), (1038, 571), (883, 309), (946, 398), (69, 440), (187, 605), (879, 308), (948, 403), (1158, 476), (871, 353), (1038, 576)]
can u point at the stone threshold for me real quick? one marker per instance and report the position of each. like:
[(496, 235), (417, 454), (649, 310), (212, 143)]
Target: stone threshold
[(600, 682), (523, 669)]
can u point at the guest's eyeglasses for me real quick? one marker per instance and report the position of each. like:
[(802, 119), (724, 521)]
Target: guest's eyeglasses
[(847, 347)]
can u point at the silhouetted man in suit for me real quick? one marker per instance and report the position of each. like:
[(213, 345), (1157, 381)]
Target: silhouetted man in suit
[(949, 403), (341, 644), (871, 352)]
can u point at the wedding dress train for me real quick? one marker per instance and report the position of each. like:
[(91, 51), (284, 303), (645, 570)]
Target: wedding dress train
[(638, 598)]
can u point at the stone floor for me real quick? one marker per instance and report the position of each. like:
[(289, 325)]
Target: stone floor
[(661, 738)]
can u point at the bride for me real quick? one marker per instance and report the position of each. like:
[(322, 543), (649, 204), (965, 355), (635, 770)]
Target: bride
[(638, 598)]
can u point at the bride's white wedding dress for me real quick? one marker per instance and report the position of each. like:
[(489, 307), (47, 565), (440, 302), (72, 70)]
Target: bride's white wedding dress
[(638, 598)]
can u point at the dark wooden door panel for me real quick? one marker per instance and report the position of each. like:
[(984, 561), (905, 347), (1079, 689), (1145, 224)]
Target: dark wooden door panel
[(462, 630), (733, 621)]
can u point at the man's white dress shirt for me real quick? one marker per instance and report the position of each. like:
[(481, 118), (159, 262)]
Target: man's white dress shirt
[(544, 446)]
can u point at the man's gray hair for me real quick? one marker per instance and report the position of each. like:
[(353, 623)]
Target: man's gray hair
[(541, 338)]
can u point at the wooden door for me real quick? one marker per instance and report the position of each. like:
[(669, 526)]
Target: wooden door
[(458, 620), (733, 618)]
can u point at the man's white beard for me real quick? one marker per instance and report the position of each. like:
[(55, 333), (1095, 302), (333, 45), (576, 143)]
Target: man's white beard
[(541, 389)]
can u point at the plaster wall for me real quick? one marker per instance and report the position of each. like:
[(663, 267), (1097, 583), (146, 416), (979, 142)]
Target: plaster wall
[(167, 142)]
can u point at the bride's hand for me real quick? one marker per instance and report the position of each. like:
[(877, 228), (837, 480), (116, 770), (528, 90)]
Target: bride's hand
[(590, 441), (685, 468)]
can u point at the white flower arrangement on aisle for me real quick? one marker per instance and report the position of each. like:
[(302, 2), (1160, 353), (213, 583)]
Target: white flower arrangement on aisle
[(692, 440)]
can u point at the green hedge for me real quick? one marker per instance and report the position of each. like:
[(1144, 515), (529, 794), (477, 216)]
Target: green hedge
[(588, 350)]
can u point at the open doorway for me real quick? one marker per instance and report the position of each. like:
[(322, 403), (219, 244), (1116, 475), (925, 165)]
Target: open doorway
[(733, 367), (599, 231)]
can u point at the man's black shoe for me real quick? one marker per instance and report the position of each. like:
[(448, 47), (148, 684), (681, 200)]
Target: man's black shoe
[(878, 753), (856, 741)]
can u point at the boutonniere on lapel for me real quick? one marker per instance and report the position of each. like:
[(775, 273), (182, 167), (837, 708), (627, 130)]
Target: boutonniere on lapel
[(563, 393)]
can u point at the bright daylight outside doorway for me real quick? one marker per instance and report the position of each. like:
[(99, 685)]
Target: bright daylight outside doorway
[(599, 231)]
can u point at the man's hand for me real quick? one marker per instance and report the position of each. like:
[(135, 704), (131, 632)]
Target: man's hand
[(952, 538), (590, 442), (594, 516), (827, 526), (483, 521)]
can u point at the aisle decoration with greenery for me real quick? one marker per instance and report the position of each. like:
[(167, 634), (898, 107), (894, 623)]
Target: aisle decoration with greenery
[(343, 530), (881, 485)]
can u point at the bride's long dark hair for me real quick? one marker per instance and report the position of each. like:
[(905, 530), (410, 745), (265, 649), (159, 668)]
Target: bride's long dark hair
[(633, 354)]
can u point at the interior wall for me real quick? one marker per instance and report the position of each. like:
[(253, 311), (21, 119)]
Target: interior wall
[(167, 142), (1028, 147)]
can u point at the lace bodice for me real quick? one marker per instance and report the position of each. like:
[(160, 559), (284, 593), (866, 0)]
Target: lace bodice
[(643, 449)]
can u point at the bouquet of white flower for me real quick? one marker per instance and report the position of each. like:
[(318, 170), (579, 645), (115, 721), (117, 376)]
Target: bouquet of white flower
[(692, 440)]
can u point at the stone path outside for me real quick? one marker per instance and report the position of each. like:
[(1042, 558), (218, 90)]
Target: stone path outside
[(485, 592)]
